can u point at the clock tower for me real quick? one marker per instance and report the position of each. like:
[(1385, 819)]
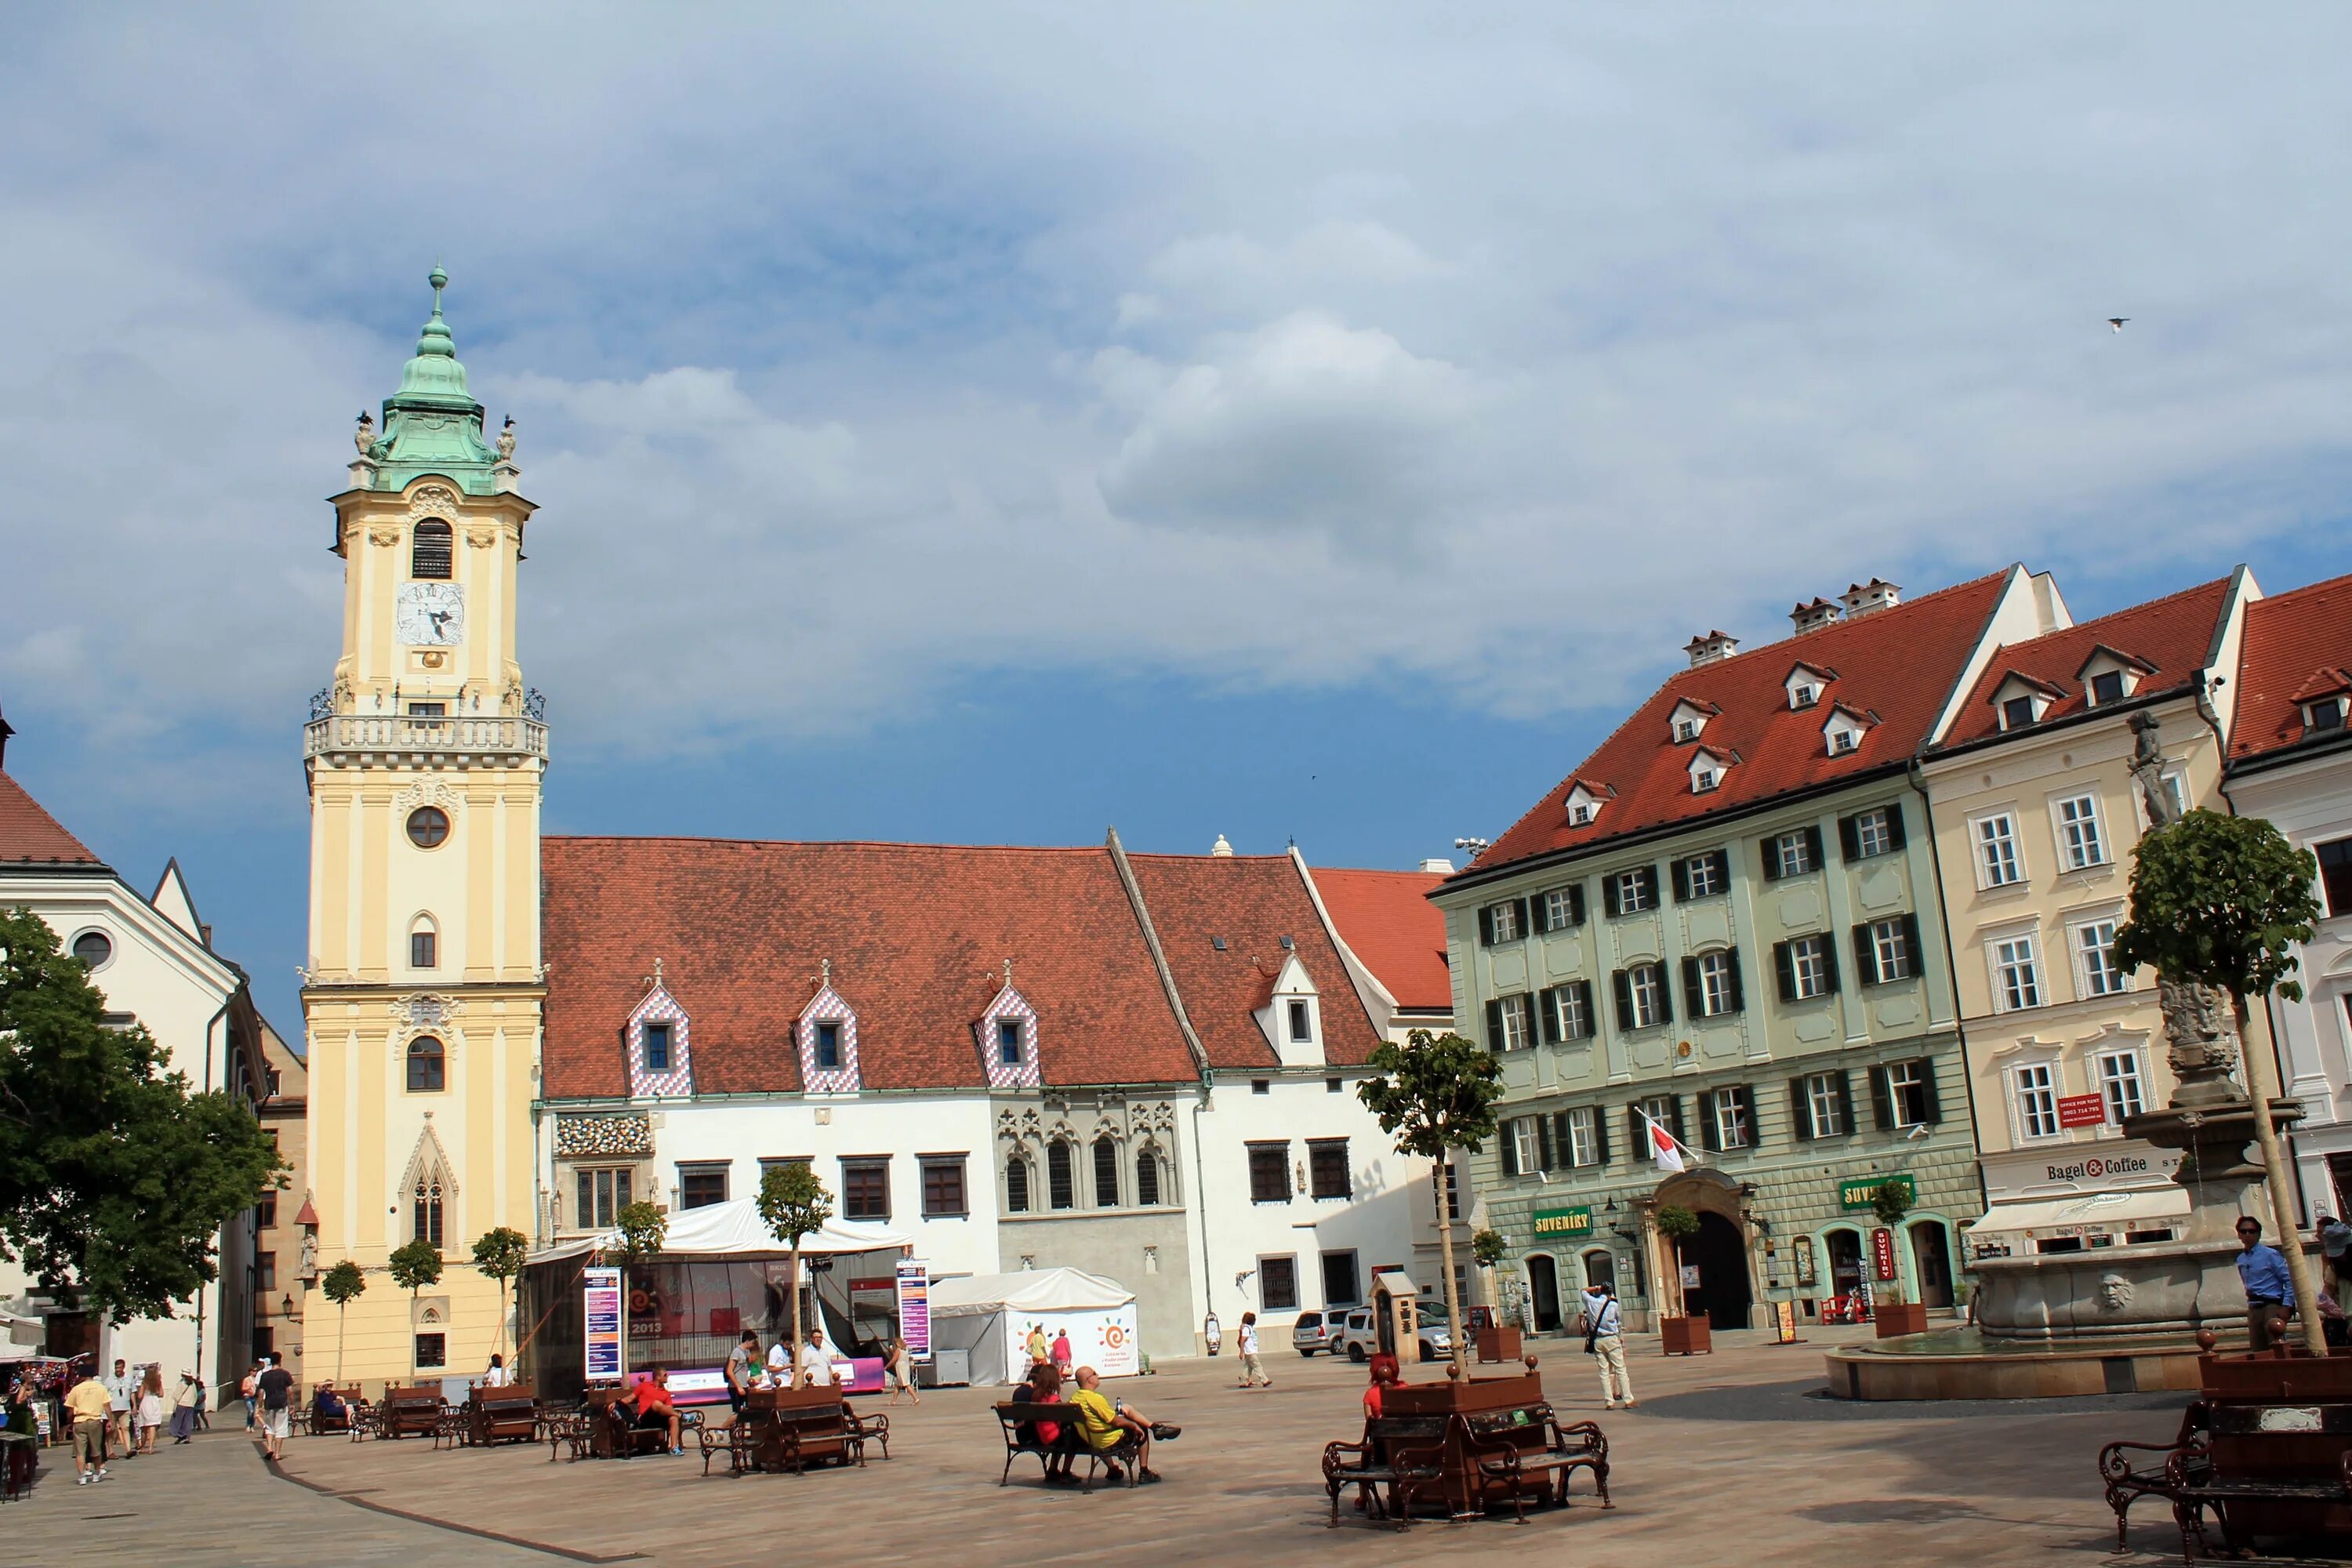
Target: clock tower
[(422, 999)]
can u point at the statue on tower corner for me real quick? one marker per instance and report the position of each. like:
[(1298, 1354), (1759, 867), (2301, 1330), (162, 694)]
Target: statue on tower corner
[(507, 440), (364, 436)]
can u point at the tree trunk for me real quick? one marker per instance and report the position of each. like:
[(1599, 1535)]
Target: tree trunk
[(414, 1371), (339, 1342), (795, 1381), (1445, 1252), (2283, 1214)]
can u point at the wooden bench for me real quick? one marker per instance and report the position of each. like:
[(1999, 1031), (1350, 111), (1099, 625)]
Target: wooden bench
[(2260, 1468), (612, 1429), (409, 1413), (1123, 1459), (794, 1428), (1402, 1453), (501, 1415), (1539, 1455), (576, 1428)]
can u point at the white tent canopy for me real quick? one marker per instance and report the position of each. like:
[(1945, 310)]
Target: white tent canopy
[(1031, 1291), (734, 1229)]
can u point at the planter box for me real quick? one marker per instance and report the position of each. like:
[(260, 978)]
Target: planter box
[(1687, 1336), (1498, 1344), (1463, 1396), (1900, 1318), (2265, 1378)]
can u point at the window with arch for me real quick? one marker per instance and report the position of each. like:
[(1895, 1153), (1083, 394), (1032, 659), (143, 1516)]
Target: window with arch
[(1600, 1268), (1106, 1174), (1016, 1184), (427, 1224), (427, 1066), (424, 944), (1147, 1176), (433, 552), (1061, 1179)]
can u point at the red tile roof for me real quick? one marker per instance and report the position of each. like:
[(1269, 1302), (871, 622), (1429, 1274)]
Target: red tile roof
[(1900, 663), (1386, 921), (30, 836), (1252, 901), (2290, 639), (2172, 635), (918, 935)]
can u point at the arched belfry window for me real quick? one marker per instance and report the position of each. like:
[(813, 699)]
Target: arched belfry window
[(1106, 1174), (1016, 1184), (1147, 1176), (427, 1066), (433, 551), (431, 1187), (1061, 1186)]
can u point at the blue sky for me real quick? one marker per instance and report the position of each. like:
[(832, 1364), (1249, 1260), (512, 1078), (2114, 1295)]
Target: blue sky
[(994, 423)]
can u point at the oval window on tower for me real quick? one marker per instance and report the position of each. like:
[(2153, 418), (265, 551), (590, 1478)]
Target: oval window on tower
[(427, 826)]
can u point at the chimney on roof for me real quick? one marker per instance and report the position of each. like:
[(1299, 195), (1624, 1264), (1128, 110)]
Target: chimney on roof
[(1442, 867), (1221, 849), (1708, 648), (1812, 617), (1861, 599)]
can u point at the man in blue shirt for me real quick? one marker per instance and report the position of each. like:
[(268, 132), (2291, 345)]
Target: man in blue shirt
[(2269, 1289)]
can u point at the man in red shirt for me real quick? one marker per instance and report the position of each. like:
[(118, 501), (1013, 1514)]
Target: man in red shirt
[(656, 1409)]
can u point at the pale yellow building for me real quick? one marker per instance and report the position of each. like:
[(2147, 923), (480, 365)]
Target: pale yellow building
[(2035, 818), (423, 992)]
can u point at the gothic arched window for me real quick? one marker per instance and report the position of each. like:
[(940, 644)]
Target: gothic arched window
[(1147, 1177), (1061, 1181), (1016, 1184), (433, 551), (426, 1066), (428, 1213), (1106, 1174)]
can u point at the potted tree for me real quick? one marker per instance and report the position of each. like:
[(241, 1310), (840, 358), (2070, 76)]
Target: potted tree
[(499, 1254), (415, 1264), (1681, 1334), (1890, 1202), (644, 1228), (343, 1284), (1497, 1339), (795, 1205)]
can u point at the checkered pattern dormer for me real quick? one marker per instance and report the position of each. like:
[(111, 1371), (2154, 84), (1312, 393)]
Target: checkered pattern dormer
[(827, 1008), (1010, 1011), (646, 1081)]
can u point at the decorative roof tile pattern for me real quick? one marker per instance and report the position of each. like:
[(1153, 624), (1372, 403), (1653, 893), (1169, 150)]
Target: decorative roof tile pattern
[(1386, 921), (2171, 635), (1252, 901), (2290, 639), (31, 837), (918, 935), (1900, 663)]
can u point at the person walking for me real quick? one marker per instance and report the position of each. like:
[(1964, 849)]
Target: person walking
[(122, 1388), (742, 1372), (90, 1407), (2270, 1288), (147, 1414), (2335, 1248), (275, 1389), (1061, 1362), (1036, 1342), (1252, 1370), (1604, 1323), (184, 1407), (246, 1388), (902, 1369)]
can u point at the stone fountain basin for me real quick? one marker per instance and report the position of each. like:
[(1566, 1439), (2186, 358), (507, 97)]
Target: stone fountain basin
[(2165, 1290), (1967, 1364)]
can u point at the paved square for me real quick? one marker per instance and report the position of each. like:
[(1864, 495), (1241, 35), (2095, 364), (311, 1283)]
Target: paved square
[(1730, 1458)]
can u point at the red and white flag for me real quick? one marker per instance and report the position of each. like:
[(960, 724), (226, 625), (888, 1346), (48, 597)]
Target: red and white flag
[(1665, 1148)]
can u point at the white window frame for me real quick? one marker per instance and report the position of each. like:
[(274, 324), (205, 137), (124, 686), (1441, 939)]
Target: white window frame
[(2023, 1093), (1826, 1105), (1559, 909), (1889, 940), (1704, 780), (1518, 1018), (2135, 1073), (2081, 836), (1633, 891), (1712, 869), (1993, 848), (1874, 832), (1686, 729), (1503, 915), (1732, 1127), (1584, 1136), (1809, 967), (2014, 960), (1914, 1076), (1714, 983), (2113, 980), (1574, 1015), (1523, 1143), (1654, 1014), (1790, 853)]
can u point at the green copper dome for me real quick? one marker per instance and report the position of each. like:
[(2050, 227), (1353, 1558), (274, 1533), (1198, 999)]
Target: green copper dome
[(432, 425)]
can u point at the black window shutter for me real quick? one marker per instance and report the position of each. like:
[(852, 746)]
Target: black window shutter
[(1800, 1110), (1850, 837), (1576, 904), (1738, 985), (1894, 836), (1829, 965), (1543, 1145), (1562, 1145), (1536, 908), (1637, 1136), (1681, 868), (1625, 986), (1674, 1116), (1934, 1106), (1771, 848), (1547, 1003), (1601, 1134), (1784, 966), (1609, 894), (1495, 1025), (1524, 926), (1845, 1098), (1510, 1148), (1813, 847), (1882, 1100), (1722, 859), (1911, 945), (1746, 1096), (1665, 997), (1650, 886), (1866, 956), (1485, 925), (1693, 1003), (1706, 1122)]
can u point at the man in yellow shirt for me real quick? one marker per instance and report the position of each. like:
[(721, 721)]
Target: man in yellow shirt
[(88, 1407), (1104, 1421)]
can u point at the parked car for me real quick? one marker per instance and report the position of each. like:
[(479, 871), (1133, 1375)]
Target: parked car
[(1315, 1331), (1358, 1337)]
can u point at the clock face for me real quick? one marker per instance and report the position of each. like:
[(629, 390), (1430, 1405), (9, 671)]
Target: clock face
[(430, 614)]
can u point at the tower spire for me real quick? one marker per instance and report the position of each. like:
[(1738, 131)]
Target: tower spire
[(432, 424)]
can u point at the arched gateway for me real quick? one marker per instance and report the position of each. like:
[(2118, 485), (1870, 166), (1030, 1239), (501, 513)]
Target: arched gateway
[(1716, 1257)]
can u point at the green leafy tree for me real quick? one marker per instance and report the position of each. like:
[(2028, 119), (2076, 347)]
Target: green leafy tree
[(343, 1284), (2223, 901), (500, 1254), (414, 1266), (1487, 1247), (1890, 1201), (644, 1231), (115, 1176), (796, 1205), (1434, 1094)]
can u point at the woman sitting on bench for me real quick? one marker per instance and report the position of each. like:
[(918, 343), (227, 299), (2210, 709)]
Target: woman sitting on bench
[(1386, 1375), (1060, 1438)]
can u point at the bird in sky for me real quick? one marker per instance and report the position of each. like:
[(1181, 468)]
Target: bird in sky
[(2117, 321)]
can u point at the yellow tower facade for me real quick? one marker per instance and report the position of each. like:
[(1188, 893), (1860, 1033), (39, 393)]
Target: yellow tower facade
[(425, 756)]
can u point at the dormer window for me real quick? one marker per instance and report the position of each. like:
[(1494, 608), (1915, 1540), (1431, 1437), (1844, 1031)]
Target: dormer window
[(1685, 729), (1579, 814), (1843, 740), (828, 1045), (2022, 701), (1704, 780), (1688, 719), (1842, 733), (1706, 771), (656, 1044), (1804, 685), (1006, 1033), (657, 1048), (827, 1036), (1008, 1042), (1584, 804), (1804, 696), (2109, 676), (2107, 687), (2017, 712), (1302, 1024), (2327, 713)]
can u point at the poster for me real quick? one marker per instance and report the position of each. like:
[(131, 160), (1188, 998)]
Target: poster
[(1103, 1340), (1784, 1322), (1882, 1251), (915, 1307), (601, 1305)]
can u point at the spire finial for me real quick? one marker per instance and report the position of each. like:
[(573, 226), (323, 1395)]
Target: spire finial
[(1008, 973), (825, 972), (440, 280)]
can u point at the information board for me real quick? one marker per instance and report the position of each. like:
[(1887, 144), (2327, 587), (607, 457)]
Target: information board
[(1882, 1251), (2082, 1111), (600, 1307), (915, 1307), (1784, 1322)]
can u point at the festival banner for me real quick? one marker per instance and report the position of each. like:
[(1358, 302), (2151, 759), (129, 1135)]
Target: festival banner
[(915, 1307), (601, 1305)]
